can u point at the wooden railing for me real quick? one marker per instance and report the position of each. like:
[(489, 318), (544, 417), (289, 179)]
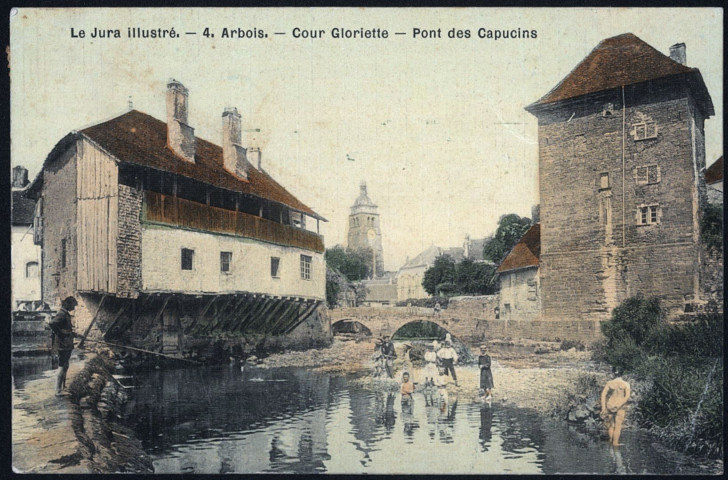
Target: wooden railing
[(170, 210)]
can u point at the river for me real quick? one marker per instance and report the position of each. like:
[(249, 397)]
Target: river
[(219, 419)]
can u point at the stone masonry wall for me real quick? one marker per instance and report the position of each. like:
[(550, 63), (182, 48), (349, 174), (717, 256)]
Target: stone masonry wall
[(591, 259), (129, 242)]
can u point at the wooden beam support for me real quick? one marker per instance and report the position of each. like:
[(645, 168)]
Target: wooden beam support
[(255, 315), (301, 318), (201, 315), (226, 322), (262, 325), (250, 305), (93, 320), (218, 318), (288, 320), (116, 319), (272, 327)]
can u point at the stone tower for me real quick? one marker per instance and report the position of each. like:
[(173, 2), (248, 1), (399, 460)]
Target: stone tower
[(621, 147), (363, 229)]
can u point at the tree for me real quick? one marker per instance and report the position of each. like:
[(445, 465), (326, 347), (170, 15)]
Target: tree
[(511, 228), (355, 265), (440, 275), (472, 278)]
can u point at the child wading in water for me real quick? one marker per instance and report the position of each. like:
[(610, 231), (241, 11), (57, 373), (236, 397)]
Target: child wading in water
[(486, 376), (407, 387)]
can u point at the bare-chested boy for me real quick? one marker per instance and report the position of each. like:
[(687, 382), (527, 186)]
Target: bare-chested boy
[(614, 399)]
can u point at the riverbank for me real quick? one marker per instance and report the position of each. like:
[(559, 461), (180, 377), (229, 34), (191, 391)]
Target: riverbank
[(77, 433)]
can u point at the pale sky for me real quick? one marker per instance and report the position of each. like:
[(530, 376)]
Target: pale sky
[(436, 127)]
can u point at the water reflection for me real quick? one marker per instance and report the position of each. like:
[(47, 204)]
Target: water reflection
[(296, 421)]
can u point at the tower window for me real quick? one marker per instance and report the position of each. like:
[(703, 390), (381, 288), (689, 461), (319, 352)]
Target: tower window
[(187, 258), (603, 181), (644, 130), (63, 253), (647, 174), (648, 215)]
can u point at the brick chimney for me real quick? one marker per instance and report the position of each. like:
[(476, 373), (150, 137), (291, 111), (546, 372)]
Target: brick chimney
[(20, 177), (180, 136), (234, 155), (677, 53)]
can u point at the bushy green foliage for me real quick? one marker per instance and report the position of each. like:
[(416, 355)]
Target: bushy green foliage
[(441, 273), (510, 229), (635, 318), (446, 277), (711, 226), (355, 265), (681, 363), (332, 292)]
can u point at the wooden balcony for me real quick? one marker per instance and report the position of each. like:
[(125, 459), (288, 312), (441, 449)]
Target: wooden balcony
[(159, 208)]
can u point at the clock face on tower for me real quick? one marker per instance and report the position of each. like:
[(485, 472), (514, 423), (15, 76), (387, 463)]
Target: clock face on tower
[(371, 235)]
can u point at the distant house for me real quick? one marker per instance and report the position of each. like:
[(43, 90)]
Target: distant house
[(520, 297), (411, 274), (714, 182), (25, 254), (173, 236), (473, 248), (380, 292)]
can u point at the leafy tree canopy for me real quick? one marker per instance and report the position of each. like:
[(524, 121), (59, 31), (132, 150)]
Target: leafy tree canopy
[(511, 228), (355, 265), (446, 277)]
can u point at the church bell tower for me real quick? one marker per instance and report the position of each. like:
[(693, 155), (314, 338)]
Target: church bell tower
[(363, 229)]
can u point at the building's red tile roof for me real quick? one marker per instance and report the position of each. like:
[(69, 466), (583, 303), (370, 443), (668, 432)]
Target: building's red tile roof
[(618, 61), (141, 139), (714, 173), (525, 253)]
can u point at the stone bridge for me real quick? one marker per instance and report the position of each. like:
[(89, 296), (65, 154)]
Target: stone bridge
[(472, 320), (388, 320)]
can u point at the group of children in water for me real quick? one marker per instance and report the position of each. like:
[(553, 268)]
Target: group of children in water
[(439, 365)]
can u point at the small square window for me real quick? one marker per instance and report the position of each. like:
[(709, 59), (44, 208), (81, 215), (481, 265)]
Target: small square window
[(188, 256), (305, 267), (275, 263), (603, 181), (649, 215), (647, 174), (226, 259), (644, 130)]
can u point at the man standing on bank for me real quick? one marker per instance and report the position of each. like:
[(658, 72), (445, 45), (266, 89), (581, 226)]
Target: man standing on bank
[(614, 405), (63, 340)]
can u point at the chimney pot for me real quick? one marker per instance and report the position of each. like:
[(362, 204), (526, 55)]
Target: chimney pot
[(234, 155), (180, 136), (20, 176), (677, 53)]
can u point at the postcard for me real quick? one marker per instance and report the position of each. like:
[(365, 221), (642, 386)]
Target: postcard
[(367, 240)]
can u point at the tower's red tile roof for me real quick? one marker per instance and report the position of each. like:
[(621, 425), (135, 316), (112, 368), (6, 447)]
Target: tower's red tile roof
[(525, 253), (714, 173), (618, 61), (141, 139)]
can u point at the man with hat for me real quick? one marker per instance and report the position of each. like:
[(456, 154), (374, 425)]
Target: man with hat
[(389, 354), (448, 356), (63, 340)]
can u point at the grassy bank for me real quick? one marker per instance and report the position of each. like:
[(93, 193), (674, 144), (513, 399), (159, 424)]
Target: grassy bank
[(679, 371)]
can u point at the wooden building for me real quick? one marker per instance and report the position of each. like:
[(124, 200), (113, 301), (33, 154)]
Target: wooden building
[(168, 238)]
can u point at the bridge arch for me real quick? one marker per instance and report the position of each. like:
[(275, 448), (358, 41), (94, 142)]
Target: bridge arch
[(350, 325), (425, 331)]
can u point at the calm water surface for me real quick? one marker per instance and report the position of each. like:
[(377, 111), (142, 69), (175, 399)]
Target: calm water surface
[(221, 420)]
